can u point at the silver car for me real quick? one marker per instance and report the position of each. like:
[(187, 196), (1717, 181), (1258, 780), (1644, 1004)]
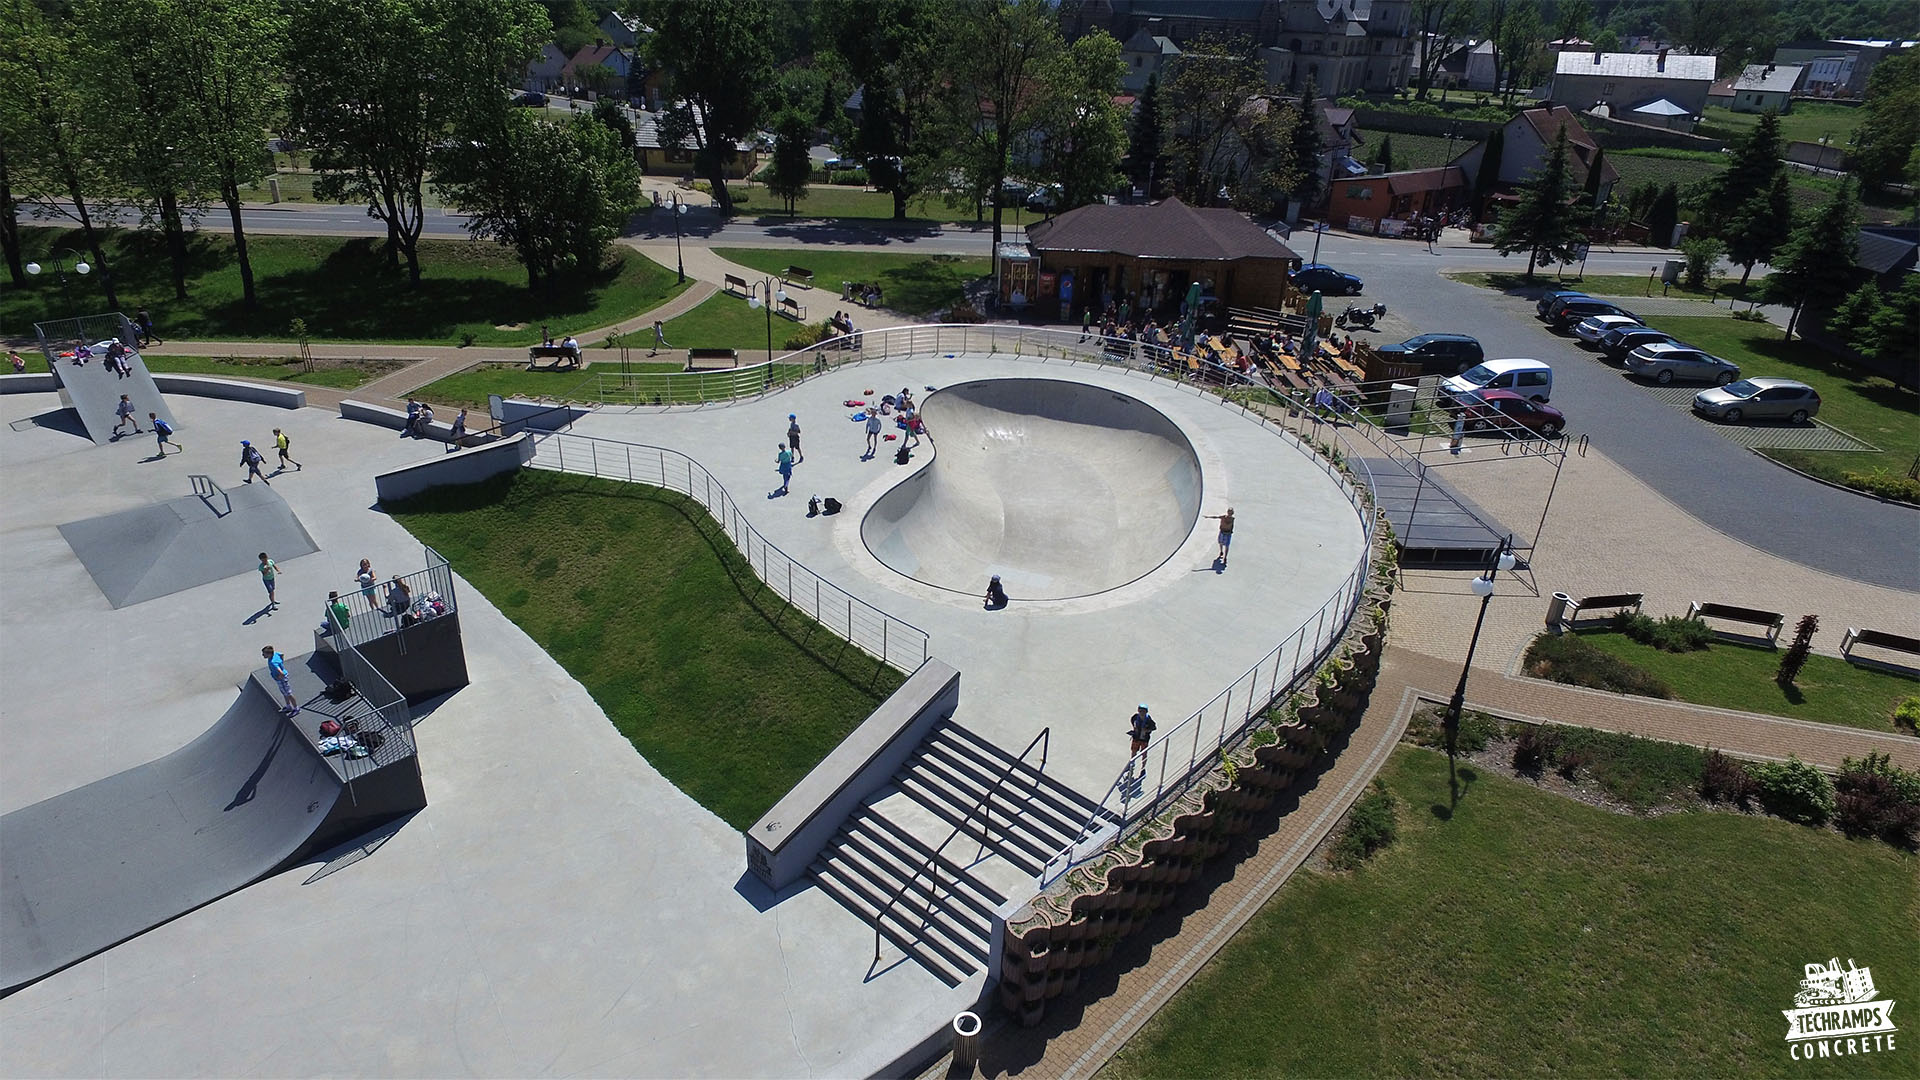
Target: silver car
[(1593, 328), (1665, 362), (1759, 399)]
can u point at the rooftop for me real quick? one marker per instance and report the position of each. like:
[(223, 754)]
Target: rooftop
[(1769, 78), (1616, 65), (1164, 230)]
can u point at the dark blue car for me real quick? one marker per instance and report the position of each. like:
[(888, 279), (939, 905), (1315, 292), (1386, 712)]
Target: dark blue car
[(1325, 280)]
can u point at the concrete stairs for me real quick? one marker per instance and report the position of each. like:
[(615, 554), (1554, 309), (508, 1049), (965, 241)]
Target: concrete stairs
[(930, 860)]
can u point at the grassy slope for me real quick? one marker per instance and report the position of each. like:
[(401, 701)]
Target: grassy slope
[(1410, 151), (1732, 676), (1805, 123), (642, 598), (1870, 408), (1532, 935), (341, 287), (915, 284), (336, 375)]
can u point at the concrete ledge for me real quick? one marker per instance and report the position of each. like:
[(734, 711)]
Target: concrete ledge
[(519, 414), (33, 382), (461, 467), (782, 844), (231, 390)]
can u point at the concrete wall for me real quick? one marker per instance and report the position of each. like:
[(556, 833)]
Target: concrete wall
[(36, 382), (517, 415), (463, 467), (783, 843), (282, 397)]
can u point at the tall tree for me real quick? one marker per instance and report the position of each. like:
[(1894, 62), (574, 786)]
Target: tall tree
[(1085, 130), (1146, 162), (1492, 23), (1663, 215), (1761, 226), (1890, 131), (1521, 45), (718, 58), (1442, 26), (1882, 325), (1814, 271), (55, 125), (229, 56), (1545, 224), (1384, 156), (1488, 176), (791, 167), (1207, 90), (377, 84), (1306, 146), (1754, 160), (887, 48), (1572, 19), (1731, 29), (1595, 177)]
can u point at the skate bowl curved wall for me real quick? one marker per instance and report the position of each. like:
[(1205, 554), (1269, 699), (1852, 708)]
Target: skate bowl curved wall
[(1062, 488)]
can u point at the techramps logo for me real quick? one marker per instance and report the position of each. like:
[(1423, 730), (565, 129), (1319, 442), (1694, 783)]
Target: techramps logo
[(1836, 1014)]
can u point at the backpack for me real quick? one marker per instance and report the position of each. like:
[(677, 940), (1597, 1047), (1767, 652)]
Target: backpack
[(339, 691), (253, 455), (903, 456), (371, 739), (329, 727), (832, 505), (163, 427)]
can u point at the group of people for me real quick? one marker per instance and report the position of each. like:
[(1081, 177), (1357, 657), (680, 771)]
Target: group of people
[(858, 293), (336, 616), (842, 324), (251, 458)]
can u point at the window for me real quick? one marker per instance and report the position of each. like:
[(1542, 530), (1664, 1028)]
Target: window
[(1607, 89), (1533, 378), (1137, 60), (1359, 192)]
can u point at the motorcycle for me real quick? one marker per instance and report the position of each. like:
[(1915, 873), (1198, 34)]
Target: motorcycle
[(1359, 318)]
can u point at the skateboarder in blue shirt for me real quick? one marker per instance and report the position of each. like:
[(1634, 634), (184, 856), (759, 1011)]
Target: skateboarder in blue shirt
[(277, 667)]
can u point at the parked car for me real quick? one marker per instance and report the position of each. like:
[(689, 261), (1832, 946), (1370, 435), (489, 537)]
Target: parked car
[(1507, 411), (1759, 399), (1325, 280), (1530, 378), (1618, 343), (531, 98), (1594, 327), (1545, 303), (1664, 363), (1437, 354), (1569, 313)]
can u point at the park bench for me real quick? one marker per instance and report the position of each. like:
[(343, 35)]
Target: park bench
[(736, 285), (701, 359), (797, 275), (561, 355), (793, 309), (1769, 621), (1611, 603), (1880, 639)]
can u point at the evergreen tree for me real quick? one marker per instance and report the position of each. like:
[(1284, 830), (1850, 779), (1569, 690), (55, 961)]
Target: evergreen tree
[(1307, 147), (1593, 175), (1889, 133), (791, 168), (1761, 226), (1752, 164), (1146, 158), (1545, 224), (1814, 271), (1663, 216), (1488, 176), (1882, 326), (1384, 158)]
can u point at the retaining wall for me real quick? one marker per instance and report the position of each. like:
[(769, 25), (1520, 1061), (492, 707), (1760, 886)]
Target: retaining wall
[(280, 397), (462, 467)]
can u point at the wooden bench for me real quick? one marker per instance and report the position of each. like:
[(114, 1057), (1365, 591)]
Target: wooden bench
[(1611, 603), (1880, 639), (698, 359), (793, 309), (561, 355), (1769, 621), (737, 285), (797, 275)]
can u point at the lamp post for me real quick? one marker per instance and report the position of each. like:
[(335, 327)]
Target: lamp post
[(679, 211), (754, 301), (1319, 228), (80, 266), (1483, 588)]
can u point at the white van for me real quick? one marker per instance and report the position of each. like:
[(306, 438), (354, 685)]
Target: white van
[(1530, 378)]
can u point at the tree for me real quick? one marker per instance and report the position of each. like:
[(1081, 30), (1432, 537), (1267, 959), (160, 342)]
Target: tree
[(1545, 224), (1761, 226), (887, 48), (1815, 270), (556, 194), (1306, 147), (1880, 325), (573, 25), (1488, 176), (1384, 156), (609, 114), (228, 56), (1731, 29), (1521, 46), (1796, 655), (718, 59), (1594, 175), (1085, 130), (1663, 216), (1146, 163), (1492, 21), (1889, 134), (791, 168), (1572, 19), (1442, 25), (1753, 162)]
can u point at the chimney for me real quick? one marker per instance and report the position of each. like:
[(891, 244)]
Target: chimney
[(1660, 62), (1596, 56)]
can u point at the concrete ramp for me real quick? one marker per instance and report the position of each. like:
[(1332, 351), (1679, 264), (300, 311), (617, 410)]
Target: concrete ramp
[(91, 389), (1061, 488), (151, 551)]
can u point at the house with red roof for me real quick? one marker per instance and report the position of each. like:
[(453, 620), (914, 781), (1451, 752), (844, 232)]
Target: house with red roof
[(1150, 254), (1525, 142)]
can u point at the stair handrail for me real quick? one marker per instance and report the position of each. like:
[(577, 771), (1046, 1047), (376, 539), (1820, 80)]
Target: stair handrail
[(1044, 740)]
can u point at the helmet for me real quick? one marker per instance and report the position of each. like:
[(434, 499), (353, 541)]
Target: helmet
[(244, 442)]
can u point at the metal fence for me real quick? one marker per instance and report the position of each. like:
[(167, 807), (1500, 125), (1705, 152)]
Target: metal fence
[(62, 335), (382, 610), (377, 708), (893, 641)]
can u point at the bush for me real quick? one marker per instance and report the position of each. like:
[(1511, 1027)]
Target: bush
[(850, 178), (806, 334), (1751, 315), (1534, 748), (1568, 659), (1477, 729), (1703, 255), (965, 313), (1907, 714), (1877, 798), (1884, 485), (1371, 826), (1794, 790), (1670, 633), (1726, 780), (1796, 655)]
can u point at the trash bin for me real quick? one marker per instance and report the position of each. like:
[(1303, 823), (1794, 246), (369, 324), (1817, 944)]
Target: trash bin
[(966, 1039), (1557, 612)]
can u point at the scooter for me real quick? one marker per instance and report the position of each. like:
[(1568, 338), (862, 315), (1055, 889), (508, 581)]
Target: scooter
[(1359, 318)]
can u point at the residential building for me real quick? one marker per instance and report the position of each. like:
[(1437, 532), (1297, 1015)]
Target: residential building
[(1633, 86), (1150, 254), (1855, 59), (657, 159), (1384, 202), (1525, 142), (1478, 71), (1827, 75), (597, 71), (1145, 54), (1343, 45), (624, 31), (543, 71), (1766, 86)]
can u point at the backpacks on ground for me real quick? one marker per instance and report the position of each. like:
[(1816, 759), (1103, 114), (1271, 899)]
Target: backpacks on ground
[(832, 505)]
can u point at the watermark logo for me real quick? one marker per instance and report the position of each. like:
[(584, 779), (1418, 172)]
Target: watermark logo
[(1837, 1014)]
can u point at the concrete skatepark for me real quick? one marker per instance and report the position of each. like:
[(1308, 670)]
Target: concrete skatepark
[(502, 919)]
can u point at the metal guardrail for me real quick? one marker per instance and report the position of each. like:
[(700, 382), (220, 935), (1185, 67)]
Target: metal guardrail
[(207, 491), (372, 614), (893, 641)]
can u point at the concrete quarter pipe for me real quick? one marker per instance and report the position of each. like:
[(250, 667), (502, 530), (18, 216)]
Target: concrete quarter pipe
[(1061, 488)]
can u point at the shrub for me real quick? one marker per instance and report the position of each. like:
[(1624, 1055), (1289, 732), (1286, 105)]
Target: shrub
[(806, 334), (1793, 790), (1477, 729), (1570, 763), (1568, 659), (1884, 485), (1371, 826), (1534, 748), (1796, 655), (1751, 315), (1907, 714), (1703, 254), (1877, 798), (1726, 780), (965, 313), (849, 178), (1670, 633)]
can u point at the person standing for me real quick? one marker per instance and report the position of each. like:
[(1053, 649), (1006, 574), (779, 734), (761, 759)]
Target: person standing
[(873, 433), (1226, 532), (459, 431), (784, 462), (163, 432), (145, 322), (281, 444), (793, 438), (367, 579), (125, 412), (1141, 730), (335, 614), (277, 667), (251, 459), (269, 574), (659, 338), (413, 420)]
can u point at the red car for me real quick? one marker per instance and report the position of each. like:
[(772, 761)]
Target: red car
[(1508, 411)]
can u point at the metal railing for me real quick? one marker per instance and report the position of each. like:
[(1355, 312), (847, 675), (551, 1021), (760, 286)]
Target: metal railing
[(58, 334), (379, 611), (891, 640), (207, 491), (381, 708)]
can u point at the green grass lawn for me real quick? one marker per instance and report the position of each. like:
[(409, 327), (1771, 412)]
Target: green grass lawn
[(341, 287), (1730, 676), (1808, 121), (641, 596), (1868, 407), (1526, 934), (915, 284), (1410, 151), (1637, 168), (1621, 285), (841, 201), (335, 374), (642, 382)]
